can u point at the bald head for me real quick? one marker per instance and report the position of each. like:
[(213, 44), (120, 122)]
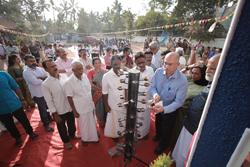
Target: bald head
[(212, 66), (173, 55), (171, 62)]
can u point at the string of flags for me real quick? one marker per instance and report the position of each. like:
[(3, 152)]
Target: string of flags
[(219, 19), (23, 34)]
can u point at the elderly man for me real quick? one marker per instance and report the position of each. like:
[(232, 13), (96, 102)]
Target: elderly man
[(58, 104), (34, 77), (157, 61), (12, 104), (63, 64), (110, 83), (169, 86), (145, 72), (182, 60), (78, 92), (149, 56), (86, 61), (107, 58), (34, 50), (194, 113)]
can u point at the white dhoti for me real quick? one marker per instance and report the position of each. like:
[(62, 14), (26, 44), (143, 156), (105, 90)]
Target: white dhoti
[(87, 127), (112, 124), (181, 148), (144, 129)]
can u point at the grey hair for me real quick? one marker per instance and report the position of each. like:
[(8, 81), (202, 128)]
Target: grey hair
[(153, 45), (115, 57), (179, 51), (75, 63)]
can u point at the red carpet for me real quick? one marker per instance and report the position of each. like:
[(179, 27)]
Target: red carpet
[(48, 150)]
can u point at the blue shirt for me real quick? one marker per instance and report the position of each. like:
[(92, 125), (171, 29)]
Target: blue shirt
[(172, 90), (211, 54), (9, 102)]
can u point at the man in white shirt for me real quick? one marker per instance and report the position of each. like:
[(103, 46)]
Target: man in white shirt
[(58, 104), (110, 83), (157, 60), (3, 56), (78, 91), (11, 49), (86, 61), (34, 77), (97, 50), (145, 72), (63, 64), (92, 50)]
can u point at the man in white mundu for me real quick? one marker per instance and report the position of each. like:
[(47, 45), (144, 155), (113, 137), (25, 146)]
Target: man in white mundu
[(78, 91), (110, 83), (146, 74)]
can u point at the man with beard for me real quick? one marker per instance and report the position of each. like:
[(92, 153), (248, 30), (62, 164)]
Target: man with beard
[(169, 86), (34, 77), (58, 104), (111, 94), (145, 72), (86, 61), (63, 64), (194, 113)]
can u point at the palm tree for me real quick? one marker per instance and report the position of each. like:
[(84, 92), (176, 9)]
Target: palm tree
[(52, 5), (64, 9), (116, 14), (43, 6), (74, 9), (31, 10)]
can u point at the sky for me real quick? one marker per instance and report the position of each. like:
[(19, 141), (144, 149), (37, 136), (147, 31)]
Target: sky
[(138, 7)]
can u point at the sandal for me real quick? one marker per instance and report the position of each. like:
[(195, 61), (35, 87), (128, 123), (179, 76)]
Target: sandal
[(19, 142), (49, 129), (33, 136)]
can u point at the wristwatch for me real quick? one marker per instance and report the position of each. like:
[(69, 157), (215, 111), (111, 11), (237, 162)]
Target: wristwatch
[(22, 99), (187, 68)]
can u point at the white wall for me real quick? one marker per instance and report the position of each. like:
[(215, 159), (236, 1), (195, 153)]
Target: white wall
[(218, 42)]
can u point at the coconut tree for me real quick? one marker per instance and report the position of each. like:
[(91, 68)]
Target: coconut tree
[(43, 6)]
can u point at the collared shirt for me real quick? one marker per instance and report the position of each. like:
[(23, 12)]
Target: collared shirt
[(107, 58), (80, 91), (54, 94), (65, 65), (110, 83), (153, 66), (30, 75), (149, 73), (97, 50), (172, 90), (157, 60), (11, 49), (9, 102), (86, 62)]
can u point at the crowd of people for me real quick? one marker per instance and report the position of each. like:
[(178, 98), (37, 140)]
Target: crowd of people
[(178, 79)]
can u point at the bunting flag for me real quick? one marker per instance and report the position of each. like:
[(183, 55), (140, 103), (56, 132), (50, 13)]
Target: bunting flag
[(23, 34), (217, 19)]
